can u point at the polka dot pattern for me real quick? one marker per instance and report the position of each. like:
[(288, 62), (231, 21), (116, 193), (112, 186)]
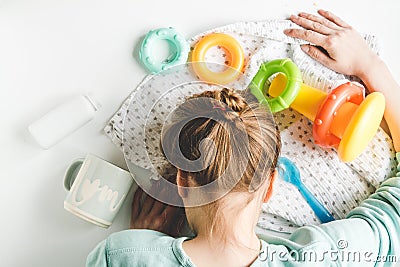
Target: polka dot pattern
[(338, 186)]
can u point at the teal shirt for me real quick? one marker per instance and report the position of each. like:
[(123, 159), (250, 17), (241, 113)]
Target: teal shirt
[(369, 236)]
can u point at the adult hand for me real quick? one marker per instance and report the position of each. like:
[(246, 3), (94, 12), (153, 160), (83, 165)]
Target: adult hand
[(149, 213), (343, 48)]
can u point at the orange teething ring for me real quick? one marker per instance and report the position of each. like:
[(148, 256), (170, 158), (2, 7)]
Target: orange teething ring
[(347, 92), (233, 48)]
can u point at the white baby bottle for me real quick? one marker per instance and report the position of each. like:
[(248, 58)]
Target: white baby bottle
[(63, 120)]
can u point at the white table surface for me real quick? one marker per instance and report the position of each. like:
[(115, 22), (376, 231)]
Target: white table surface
[(52, 50)]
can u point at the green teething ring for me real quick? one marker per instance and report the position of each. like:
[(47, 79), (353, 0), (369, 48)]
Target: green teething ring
[(179, 55), (294, 81)]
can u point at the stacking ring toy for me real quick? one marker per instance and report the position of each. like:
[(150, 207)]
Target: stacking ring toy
[(231, 45), (344, 119), (347, 92), (288, 95), (179, 55)]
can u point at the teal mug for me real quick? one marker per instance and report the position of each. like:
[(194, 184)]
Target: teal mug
[(97, 189)]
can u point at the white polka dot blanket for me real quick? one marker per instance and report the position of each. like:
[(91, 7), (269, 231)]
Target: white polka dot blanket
[(338, 186)]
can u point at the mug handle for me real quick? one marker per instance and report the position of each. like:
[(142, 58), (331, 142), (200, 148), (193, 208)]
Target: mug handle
[(72, 172)]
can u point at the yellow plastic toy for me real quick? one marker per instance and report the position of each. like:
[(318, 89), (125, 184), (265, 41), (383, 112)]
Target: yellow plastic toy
[(344, 118), (231, 45)]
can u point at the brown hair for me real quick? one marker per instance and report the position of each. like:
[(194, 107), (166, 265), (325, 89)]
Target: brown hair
[(244, 148)]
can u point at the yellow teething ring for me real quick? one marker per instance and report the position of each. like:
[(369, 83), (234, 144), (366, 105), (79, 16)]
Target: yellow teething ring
[(231, 45)]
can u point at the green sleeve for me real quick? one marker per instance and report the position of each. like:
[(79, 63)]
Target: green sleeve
[(372, 228), (381, 215), (98, 256), (370, 234)]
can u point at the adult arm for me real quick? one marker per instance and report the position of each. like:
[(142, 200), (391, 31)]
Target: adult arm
[(371, 230), (345, 51)]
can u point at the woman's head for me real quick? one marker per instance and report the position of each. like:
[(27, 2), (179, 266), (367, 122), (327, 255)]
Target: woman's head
[(224, 138)]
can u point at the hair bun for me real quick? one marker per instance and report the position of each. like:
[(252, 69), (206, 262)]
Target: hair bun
[(232, 99)]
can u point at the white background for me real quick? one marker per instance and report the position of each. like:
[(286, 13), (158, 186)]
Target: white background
[(53, 50)]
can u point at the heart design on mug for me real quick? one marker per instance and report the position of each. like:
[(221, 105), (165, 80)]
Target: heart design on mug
[(89, 188)]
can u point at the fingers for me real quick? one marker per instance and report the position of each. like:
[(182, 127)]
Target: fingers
[(317, 29), (158, 206), (317, 54), (171, 219), (154, 214), (178, 225), (136, 203), (157, 209), (331, 17), (148, 203), (311, 22), (318, 19), (307, 35), (170, 211)]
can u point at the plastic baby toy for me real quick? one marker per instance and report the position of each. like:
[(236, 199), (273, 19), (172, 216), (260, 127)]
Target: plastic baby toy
[(231, 45), (179, 55), (344, 119)]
